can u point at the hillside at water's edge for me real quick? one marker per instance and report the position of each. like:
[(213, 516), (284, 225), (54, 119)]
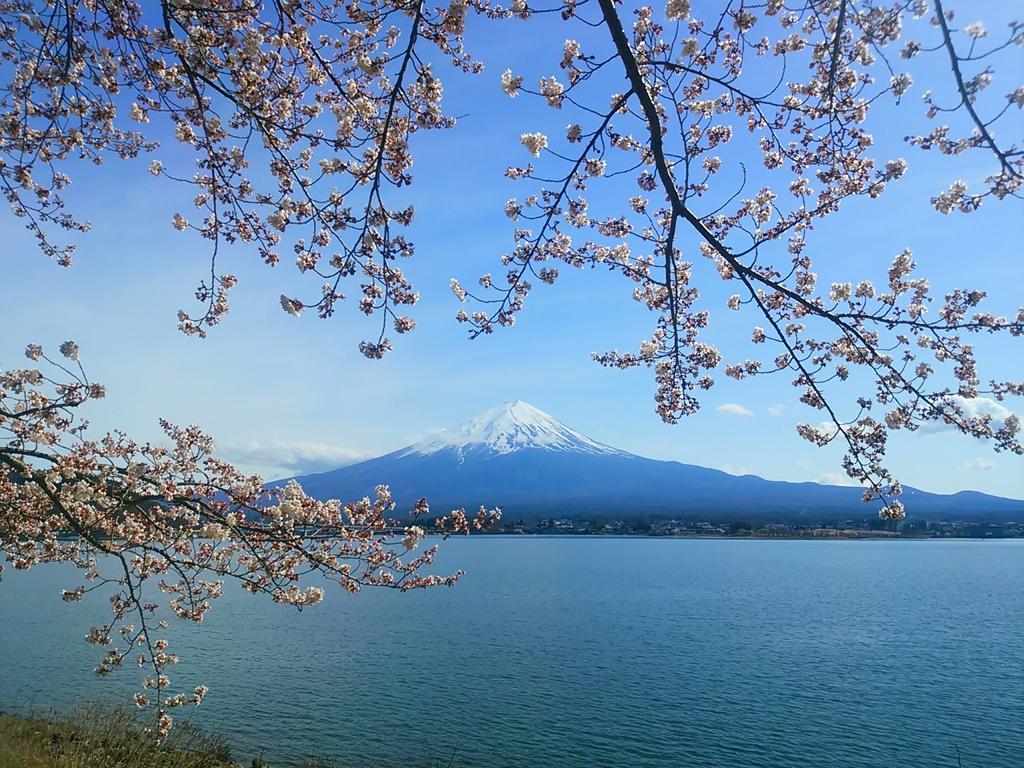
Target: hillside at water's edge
[(523, 460)]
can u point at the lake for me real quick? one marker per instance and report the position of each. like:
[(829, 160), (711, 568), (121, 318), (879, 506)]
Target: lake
[(585, 652)]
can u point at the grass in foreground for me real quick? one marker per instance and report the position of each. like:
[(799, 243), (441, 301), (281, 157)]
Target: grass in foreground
[(97, 736), (103, 737)]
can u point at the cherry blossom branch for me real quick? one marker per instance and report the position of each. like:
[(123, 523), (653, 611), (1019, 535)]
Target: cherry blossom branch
[(966, 99), (672, 79), (151, 511)]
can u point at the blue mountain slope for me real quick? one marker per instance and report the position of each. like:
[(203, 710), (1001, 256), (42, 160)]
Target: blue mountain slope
[(526, 462)]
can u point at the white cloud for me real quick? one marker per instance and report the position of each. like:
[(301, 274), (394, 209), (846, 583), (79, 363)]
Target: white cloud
[(776, 409), (972, 407), (979, 464), (738, 471), (734, 409), (835, 478), (419, 437), (291, 457)]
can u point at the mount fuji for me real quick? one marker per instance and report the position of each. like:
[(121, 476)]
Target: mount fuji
[(525, 461)]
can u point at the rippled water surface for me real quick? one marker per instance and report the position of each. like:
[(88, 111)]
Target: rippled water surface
[(584, 652)]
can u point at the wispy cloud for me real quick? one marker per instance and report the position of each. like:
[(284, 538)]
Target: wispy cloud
[(734, 409), (979, 464), (291, 457), (776, 409), (973, 407)]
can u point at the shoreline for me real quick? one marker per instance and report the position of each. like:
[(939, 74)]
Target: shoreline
[(752, 537)]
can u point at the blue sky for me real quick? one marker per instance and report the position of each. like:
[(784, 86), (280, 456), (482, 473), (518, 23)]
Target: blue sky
[(282, 394)]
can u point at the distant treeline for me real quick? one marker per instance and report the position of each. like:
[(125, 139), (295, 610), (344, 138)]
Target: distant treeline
[(753, 525)]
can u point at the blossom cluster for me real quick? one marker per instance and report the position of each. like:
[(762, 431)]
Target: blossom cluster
[(175, 517), (720, 177), (299, 117)]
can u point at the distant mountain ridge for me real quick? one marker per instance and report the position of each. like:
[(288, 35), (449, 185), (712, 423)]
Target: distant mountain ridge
[(525, 461)]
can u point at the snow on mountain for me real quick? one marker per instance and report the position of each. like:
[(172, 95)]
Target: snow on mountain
[(511, 427), (525, 461)]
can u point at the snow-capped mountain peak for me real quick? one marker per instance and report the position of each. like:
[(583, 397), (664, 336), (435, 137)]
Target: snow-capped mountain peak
[(511, 427), (521, 459)]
